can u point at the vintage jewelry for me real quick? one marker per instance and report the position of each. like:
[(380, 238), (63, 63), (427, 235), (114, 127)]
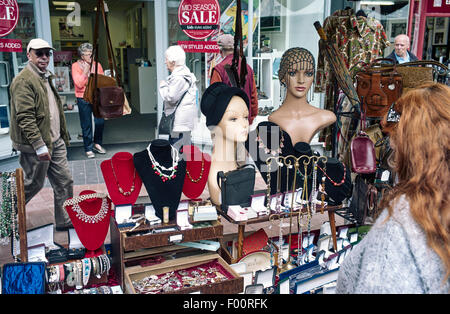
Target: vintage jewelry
[(201, 173), (91, 218), (158, 169), (268, 150), (70, 278), (78, 275), (121, 191), (86, 270), (331, 180)]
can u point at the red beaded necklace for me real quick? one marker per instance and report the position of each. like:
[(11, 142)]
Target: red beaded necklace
[(331, 180)]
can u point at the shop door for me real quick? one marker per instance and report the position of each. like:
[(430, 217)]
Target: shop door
[(11, 63)]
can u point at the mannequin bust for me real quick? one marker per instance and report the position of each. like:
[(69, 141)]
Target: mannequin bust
[(121, 179), (226, 111), (296, 116)]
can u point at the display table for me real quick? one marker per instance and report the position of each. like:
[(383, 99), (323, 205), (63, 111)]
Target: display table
[(241, 224)]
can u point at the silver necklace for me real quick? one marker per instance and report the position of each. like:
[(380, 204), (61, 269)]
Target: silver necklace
[(81, 214)]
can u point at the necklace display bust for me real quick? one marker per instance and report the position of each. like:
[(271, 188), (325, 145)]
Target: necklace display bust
[(121, 179), (162, 170), (90, 214), (198, 164)]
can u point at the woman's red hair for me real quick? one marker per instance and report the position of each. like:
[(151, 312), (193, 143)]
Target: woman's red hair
[(421, 142)]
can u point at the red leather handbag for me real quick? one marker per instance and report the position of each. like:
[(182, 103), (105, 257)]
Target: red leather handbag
[(362, 151)]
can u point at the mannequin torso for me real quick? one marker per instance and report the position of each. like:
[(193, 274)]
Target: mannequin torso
[(301, 120)]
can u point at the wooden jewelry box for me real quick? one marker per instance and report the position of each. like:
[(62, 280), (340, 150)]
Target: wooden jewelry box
[(147, 245), (230, 282)]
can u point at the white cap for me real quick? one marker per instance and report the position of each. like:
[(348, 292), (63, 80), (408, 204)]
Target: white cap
[(38, 43)]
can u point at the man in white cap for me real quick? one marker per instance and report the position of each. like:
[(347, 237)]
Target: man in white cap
[(38, 130), (219, 74)]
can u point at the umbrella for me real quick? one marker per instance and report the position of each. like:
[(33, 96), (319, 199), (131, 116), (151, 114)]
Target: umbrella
[(338, 66)]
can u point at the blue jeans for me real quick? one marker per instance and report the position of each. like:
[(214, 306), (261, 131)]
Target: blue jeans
[(85, 112)]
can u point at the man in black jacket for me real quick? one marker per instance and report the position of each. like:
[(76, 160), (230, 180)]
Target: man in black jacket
[(401, 51)]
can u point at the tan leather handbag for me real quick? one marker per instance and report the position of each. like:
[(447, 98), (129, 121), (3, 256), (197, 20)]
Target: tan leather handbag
[(378, 87)]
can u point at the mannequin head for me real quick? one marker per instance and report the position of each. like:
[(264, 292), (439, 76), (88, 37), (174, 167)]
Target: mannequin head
[(234, 124), (296, 71)]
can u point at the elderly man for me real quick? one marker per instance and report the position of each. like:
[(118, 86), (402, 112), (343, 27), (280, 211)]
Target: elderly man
[(38, 130), (219, 74), (401, 51)]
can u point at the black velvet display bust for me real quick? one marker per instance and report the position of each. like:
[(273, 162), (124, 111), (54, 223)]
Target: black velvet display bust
[(274, 139), (161, 193)]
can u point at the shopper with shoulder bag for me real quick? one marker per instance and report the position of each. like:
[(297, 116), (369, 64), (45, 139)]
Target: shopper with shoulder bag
[(179, 95)]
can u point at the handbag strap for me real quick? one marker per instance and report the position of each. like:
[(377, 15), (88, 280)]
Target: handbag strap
[(111, 58)]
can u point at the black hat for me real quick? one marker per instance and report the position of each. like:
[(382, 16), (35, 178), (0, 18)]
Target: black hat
[(215, 101)]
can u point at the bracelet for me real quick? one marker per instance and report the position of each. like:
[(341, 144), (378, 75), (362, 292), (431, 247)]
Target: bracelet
[(86, 262), (78, 275), (70, 278), (61, 272)]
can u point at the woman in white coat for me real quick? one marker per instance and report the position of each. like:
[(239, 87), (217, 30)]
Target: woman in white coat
[(180, 84)]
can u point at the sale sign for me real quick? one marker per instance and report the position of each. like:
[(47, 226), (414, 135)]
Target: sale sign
[(199, 46), (10, 45), (198, 18), (9, 16)]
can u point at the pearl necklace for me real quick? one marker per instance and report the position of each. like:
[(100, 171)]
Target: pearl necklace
[(159, 168), (74, 202)]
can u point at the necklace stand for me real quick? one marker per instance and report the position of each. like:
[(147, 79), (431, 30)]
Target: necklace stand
[(197, 171), (91, 234), (119, 171), (161, 192)]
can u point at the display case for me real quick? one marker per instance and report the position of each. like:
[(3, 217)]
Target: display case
[(222, 279), (149, 244)]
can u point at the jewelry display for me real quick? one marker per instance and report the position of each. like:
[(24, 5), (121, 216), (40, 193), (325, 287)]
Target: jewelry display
[(204, 274), (331, 180), (201, 173), (268, 150), (121, 191), (306, 199), (80, 214), (8, 214), (158, 169)]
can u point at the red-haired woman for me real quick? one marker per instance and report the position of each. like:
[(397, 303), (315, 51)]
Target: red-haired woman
[(408, 249)]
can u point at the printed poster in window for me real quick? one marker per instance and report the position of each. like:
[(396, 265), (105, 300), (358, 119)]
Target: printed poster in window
[(62, 82)]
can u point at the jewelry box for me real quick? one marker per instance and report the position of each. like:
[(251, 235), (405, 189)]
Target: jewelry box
[(76, 249), (146, 242), (54, 252), (258, 204), (203, 273)]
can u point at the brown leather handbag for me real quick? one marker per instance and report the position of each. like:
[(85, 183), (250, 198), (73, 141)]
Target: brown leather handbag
[(104, 92), (378, 87)]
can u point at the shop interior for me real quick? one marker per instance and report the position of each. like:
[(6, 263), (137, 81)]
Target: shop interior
[(132, 33)]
